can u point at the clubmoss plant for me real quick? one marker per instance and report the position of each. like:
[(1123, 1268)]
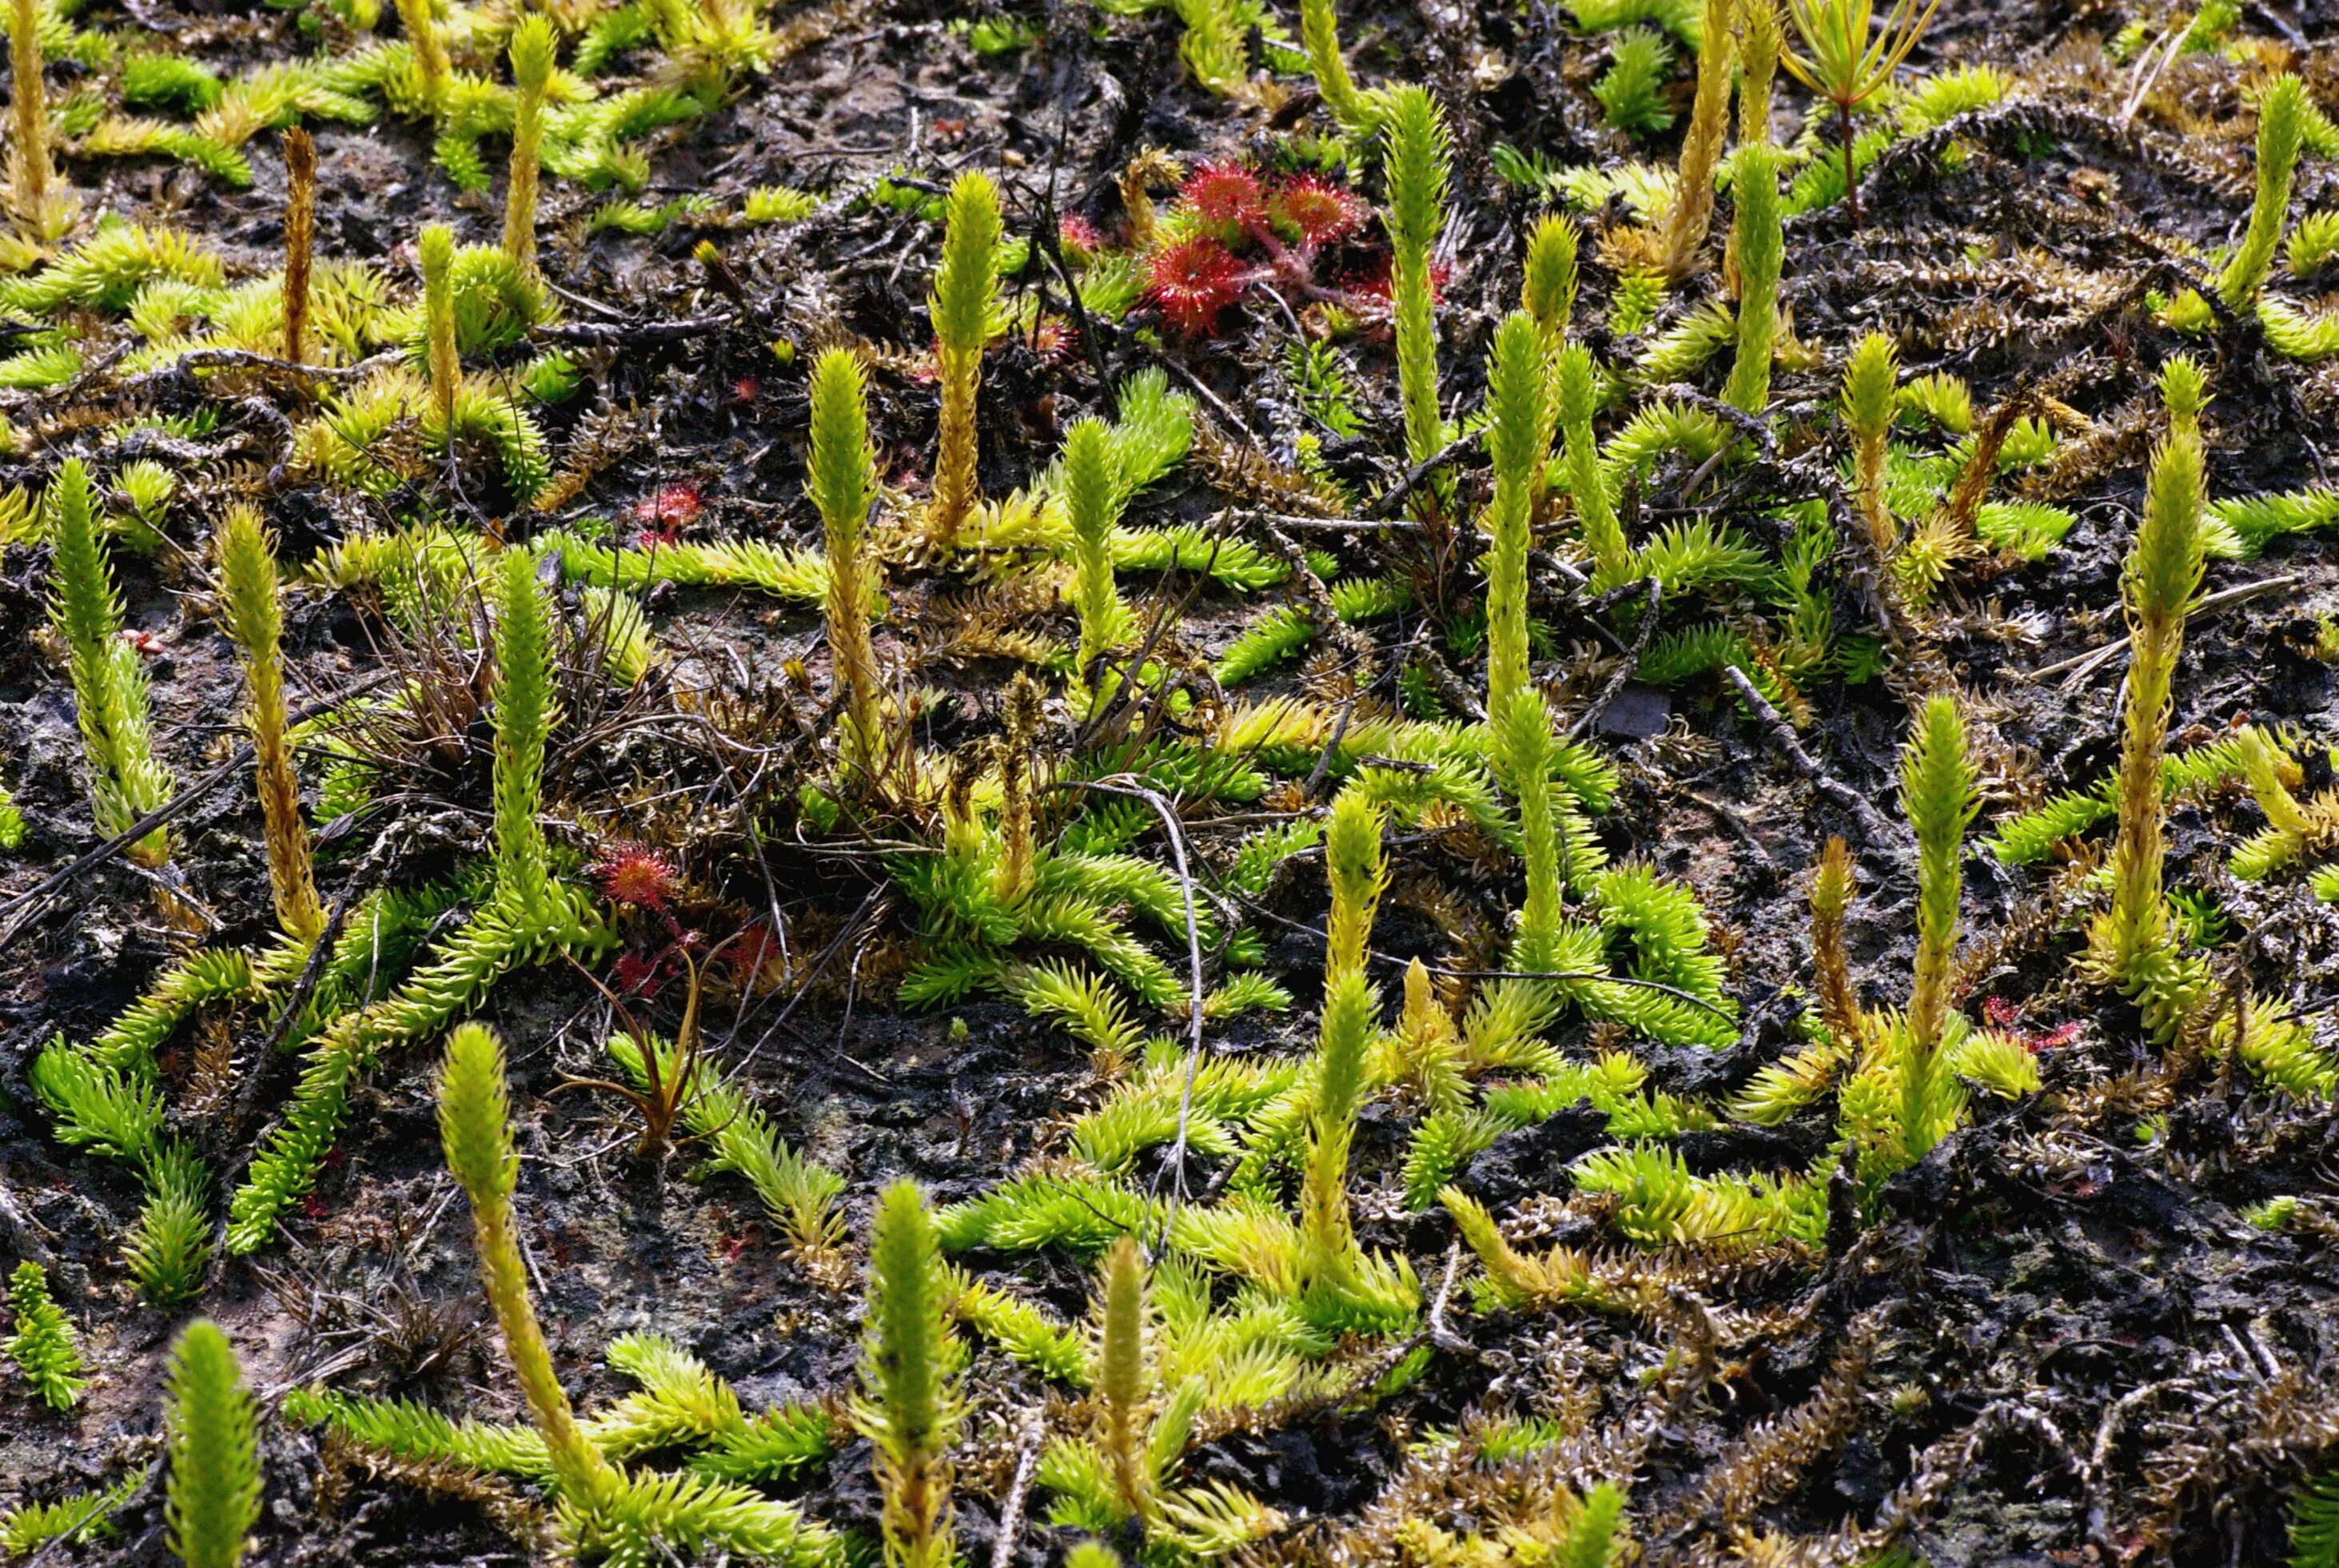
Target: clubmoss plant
[(1017, 849), (534, 46), (438, 257), (109, 682), (36, 196), (250, 614), (1548, 293), (1123, 1376), (1847, 63), (1415, 161), (44, 1346), (2132, 944), (1759, 39), (1761, 250), (1937, 795), (1708, 127), (2282, 111), (1832, 890), (475, 1130), (843, 483), (524, 715), (300, 238), (966, 285), (1090, 505), (211, 1432), (1352, 856), (431, 68), (1320, 32), (2183, 393), (1514, 441), (1575, 392), (909, 1375), (1869, 383)]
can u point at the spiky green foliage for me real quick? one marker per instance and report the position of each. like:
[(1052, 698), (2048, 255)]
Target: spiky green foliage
[(2314, 244), (843, 483), (475, 1132), (106, 270), (1514, 441), (1708, 127), (213, 1437), (1548, 290), (1632, 92), (76, 1519), (436, 251), (1869, 383), (533, 49), (2281, 118), (1762, 249), (1414, 163), (110, 695), (2132, 945), (1089, 505), (1320, 32), (525, 715), (2033, 836), (2311, 336), (2314, 1523), (783, 571), (1575, 392), (909, 1374), (1938, 797), (44, 1346), (966, 285), (252, 618), (170, 1245)]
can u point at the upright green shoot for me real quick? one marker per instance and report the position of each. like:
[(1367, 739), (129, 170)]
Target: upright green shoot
[(843, 483), (1017, 849), (2183, 393), (44, 1347), (1123, 1375), (475, 1131), (1575, 392), (1759, 43), (1708, 128), (35, 197), (437, 250), (1870, 383), (109, 683), (212, 1432), (534, 46), (1352, 854), (1413, 161), (1319, 33), (909, 1374), (1090, 502), (1516, 435), (2282, 120), (2132, 944), (524, 719), (966, 284), (1761, 250), (1548, 293), (431, 68), (253, 618), (1937, 796)]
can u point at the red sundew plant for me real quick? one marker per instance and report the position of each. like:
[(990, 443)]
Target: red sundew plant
[(667, 510), (2003, 1015), (630, 874), (1079, 237), (1282, 232)]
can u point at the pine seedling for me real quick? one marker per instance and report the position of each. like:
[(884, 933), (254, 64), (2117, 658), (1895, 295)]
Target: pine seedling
[(1123, 1376), (2282, 117), (909, 1374), (1937, 795), (300, 238), (2132, 944), (475, 1131), (1319, 33), (1089, 504), (1761, 250), (431, 68), (1548, 293), (1870, 388), (843, 482), (966, 284), (534, 46), (438, 256), (253, 618), (1595, 513), (1832, 890), (212, 1431), (1708, 127), (44, 1346), (109, 683), (1414, 163), (1759, 43), (524, 715)]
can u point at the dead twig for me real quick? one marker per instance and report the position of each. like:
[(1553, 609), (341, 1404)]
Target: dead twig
[(1873, 829)]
